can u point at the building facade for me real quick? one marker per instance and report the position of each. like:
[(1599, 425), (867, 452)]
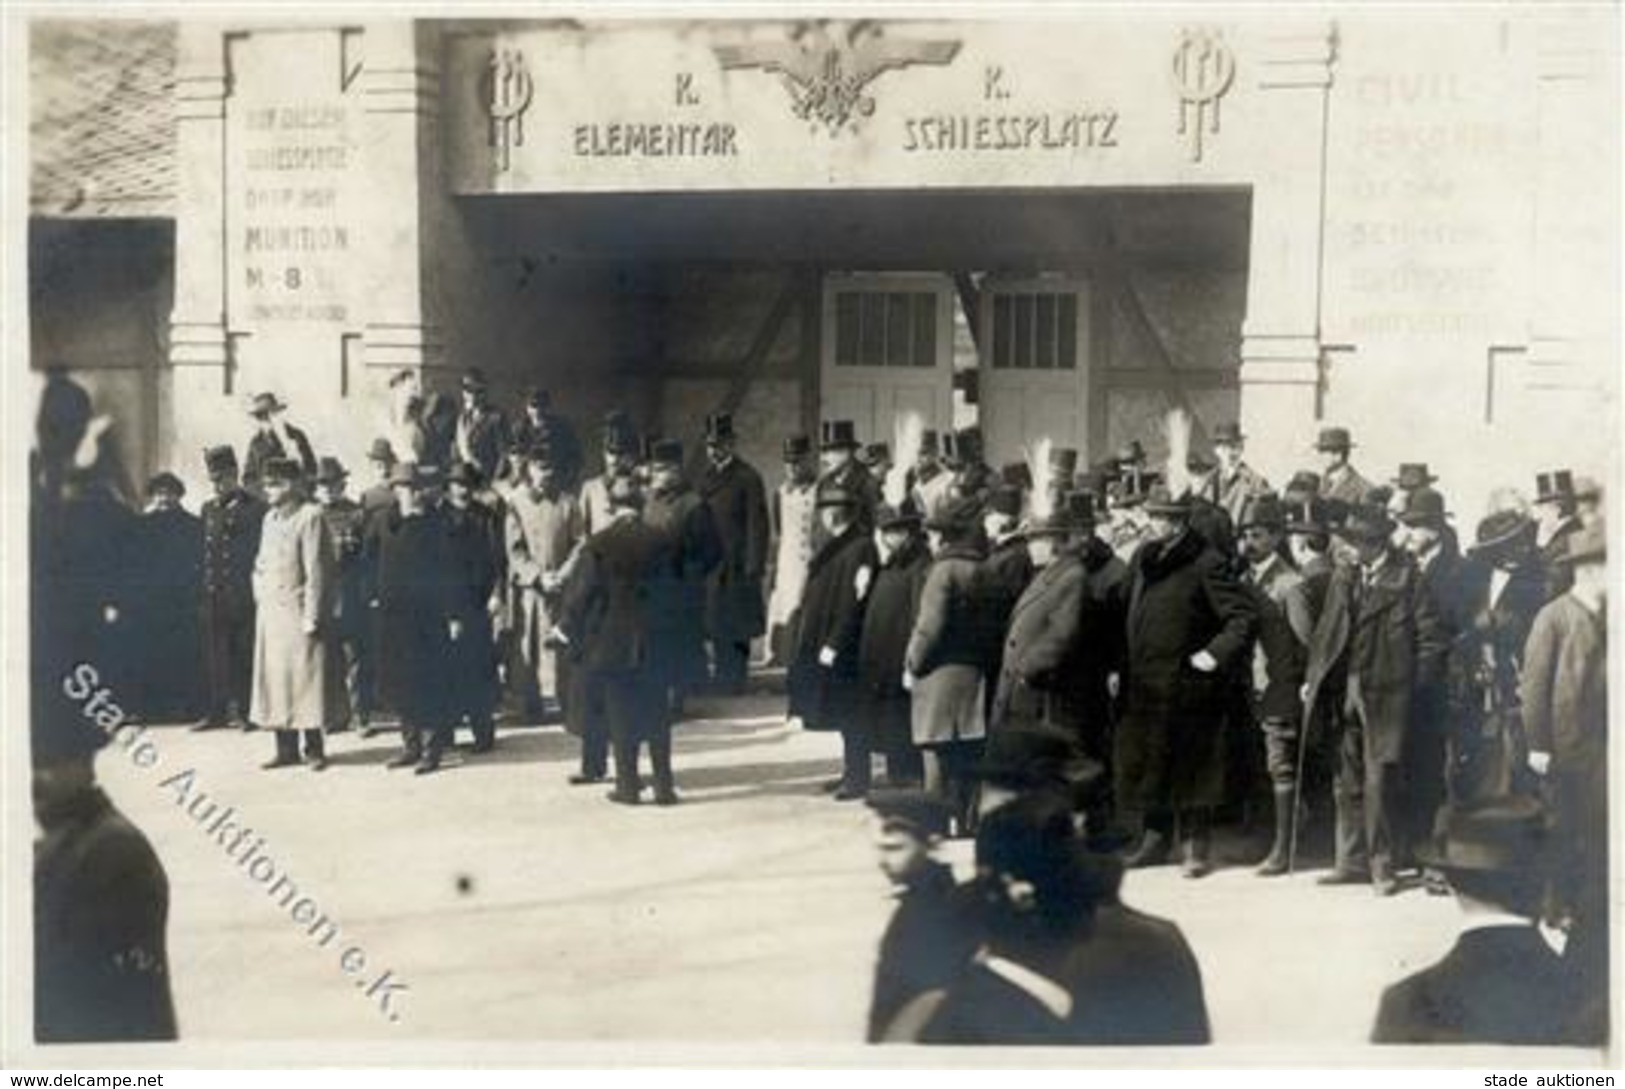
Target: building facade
[(1404, 223)]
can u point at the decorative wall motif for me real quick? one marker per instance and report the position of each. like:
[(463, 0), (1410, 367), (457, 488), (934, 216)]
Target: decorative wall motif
[(507, 93), (1203, 69)]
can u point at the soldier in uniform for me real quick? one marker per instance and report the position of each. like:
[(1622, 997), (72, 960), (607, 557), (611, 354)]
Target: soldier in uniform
[(275, 438), (734, 492), (482, 433), (796, 537), (841, 471), (415, 597), (676, 510), (347, 635), (1235, 481), (624, 579), (476, 550), (1378, 640), (544, 527), (166, 604), (1275, 673), (1189, 622), (231, 540), (1338, 479), (295, 689)]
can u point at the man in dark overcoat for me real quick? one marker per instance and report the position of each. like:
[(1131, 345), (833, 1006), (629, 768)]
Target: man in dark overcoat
[(232, 518), (675, 509), (610, 617), (1006, 571), (347, 526), (1188, 625), (482, 434), (884, 719), (823, 676), (841, 471), (736, 611), (1377, 642), (474, 535), (415, 593), (274, 438), (168, 557)]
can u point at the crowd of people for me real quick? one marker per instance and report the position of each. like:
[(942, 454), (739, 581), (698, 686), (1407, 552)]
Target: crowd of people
[(1087, 668)]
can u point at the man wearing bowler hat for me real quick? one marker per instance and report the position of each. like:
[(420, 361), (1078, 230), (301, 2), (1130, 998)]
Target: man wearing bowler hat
[(1501, 983), (737, 498), (274, 437), (797, 535), (347, 526), (840, 469), (482, 430), (1235, 482), (1377, 642), (1338, 479), (232, 517)]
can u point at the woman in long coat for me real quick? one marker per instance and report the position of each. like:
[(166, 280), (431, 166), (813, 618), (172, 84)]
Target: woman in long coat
[(1188, 624), (294, 688), (947, 653)]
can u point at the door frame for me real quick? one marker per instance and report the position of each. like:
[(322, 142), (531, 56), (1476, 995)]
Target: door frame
[(829, 375), (1082, 289)]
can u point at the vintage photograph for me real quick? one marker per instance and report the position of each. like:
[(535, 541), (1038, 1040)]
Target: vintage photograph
[(1077, 532)]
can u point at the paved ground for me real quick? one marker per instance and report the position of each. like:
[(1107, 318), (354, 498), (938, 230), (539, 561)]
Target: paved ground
[(519, 908)]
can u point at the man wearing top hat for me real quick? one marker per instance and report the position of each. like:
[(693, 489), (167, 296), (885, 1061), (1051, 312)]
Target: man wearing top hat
[(1235, 482), (543, 528), (1501, 983), (478, 553), (735, 608), (928, 481), (824, 676), (619, 458), (1338, 479), (1189, 623), (673, 508), (482, 431), (840, 469), (231, 538), (1564, 690), (797, 536), (165, 596), (296, 689), (274, 437), (973, 477), (1414, 476), (1275, 673), (541, 422), (348, 635), (1555, 522), (1378, 641)]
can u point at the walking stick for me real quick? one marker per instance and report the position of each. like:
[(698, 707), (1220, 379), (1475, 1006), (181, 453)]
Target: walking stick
[(1297, 789)]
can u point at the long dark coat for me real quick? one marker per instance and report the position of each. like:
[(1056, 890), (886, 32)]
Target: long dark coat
[(475, 548), (1397, 631), (168, 586), (1136, 983), (927, 943), (1065, 637), (610, 611), (887, 623), (832, 609), (1171, 742), (417, 597), (695, 550), (1005, 573), (101, 907), (735, 609)]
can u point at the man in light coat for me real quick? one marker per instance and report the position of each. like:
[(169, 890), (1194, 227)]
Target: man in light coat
[(295, 690), (543, 528)]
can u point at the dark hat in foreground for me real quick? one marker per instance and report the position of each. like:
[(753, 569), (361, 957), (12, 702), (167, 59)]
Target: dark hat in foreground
[(719, 428), (1366, 522), (1303, 482), (968, 442), (1554, 487), (474, 379), (1413, 475), (1262, 510), (836, 497), (912, 811), (1028, 758), (465, 473), (1016, 474), (1005, 500), (876, 453), (957, 515), (1334, 438), (1589, 544), (1228, 434), (1501, 530), (1423, 507), (905, 516), (1159, 501), (285, 470), (666, 452), (838, 435), (219, 459), (1308, 517), (1498, 835), (797, 447), (166, 483), (381, 450), (330, 471)]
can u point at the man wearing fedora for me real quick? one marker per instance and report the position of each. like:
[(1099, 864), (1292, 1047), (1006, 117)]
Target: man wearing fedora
[(1338, 479), (1501, 983), (1555, 521), (824, 677), (1188, 625), (1377, 642), (735, 609), (1564, 689), (543, 530), (347, 637), (1275, 673), (274, 437), (482, 431), (1235, 482), (478, 554), (840, 470), (297, 690), (232, 518), (796, 535)]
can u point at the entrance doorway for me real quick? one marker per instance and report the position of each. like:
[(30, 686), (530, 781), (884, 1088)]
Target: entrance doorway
[(1035, 366), (887, 351)]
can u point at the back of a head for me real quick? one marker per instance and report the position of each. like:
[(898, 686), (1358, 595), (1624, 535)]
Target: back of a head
[(1035, 878)]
